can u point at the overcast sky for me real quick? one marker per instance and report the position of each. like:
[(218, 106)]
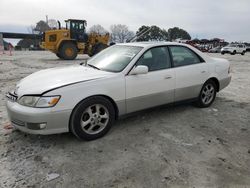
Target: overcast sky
[(228, 19)]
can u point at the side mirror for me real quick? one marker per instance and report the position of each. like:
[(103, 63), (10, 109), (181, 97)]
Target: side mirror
[(140, 69)]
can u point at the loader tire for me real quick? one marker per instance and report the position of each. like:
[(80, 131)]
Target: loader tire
[(58, 55), (68, 51)]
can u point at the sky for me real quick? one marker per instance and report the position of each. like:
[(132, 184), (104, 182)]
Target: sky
[(226, 19)]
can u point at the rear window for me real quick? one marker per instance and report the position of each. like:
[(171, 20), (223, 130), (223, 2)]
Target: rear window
[(183, 56)]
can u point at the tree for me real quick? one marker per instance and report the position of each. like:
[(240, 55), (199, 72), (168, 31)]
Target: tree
[(41, 27), (26, 43), (98, 29), (176, 33), (152, 33), (120, 33)]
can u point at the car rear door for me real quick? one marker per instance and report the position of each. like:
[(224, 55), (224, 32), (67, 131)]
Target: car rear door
[(155, 87), (191, 72)]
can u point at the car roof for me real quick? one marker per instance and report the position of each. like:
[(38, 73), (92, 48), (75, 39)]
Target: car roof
[(147, 45), (151, 44)]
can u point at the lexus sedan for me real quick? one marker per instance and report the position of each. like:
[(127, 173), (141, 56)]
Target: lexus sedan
[(86, 99)]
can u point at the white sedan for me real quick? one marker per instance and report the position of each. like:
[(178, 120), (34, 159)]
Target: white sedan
[(86, 99)]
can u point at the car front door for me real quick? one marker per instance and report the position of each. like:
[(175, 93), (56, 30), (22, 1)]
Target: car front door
[(155, 87), (191, 72)]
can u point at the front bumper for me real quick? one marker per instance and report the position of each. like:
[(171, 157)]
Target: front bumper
[(28, 119)]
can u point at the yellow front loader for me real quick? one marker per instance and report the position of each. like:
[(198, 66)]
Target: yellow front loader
[(67, 43)]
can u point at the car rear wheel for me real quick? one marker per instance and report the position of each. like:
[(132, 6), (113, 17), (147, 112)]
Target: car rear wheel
[(92, 118), (207, 94), (243, 53), (233, 53)]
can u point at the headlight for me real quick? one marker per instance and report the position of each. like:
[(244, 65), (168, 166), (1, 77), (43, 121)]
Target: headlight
[(28, 100), (39, 102)]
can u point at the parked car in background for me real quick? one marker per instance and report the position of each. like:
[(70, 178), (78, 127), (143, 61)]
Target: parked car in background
[(234, 49), (86, 99), (215, 50)]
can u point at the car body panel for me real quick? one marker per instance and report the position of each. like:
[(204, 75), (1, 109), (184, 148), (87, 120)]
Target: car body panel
[(148, 90), (44, 80), (189, 85)]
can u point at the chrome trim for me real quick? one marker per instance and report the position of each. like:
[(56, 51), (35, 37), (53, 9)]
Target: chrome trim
[(11, 96)]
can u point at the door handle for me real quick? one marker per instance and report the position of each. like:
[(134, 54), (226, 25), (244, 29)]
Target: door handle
[(203, 71), (168, 77)]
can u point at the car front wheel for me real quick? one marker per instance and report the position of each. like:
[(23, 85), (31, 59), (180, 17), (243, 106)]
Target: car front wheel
[(207, 94), (92, 118)]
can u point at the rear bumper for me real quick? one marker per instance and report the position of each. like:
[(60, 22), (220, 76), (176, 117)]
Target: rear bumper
[(37, 120), (225, 82)]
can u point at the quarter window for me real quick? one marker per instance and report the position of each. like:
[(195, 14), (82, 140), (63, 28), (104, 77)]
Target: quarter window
[(183, 56), (155, 59)]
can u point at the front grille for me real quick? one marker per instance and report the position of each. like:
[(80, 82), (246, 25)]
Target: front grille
[(18, 122), (11, 96)]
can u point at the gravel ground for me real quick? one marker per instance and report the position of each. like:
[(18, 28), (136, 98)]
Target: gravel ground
[(171, 146)]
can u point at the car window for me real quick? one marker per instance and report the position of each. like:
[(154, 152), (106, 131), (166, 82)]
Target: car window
[(114, 58), (183, 56), (155, 59)]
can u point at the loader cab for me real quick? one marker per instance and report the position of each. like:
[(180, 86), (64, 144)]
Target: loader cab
[(77, 29)]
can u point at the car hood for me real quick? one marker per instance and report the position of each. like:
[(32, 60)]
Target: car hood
[(45, 80)]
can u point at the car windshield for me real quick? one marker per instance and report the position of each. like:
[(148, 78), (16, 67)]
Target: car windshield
[(114, 58)]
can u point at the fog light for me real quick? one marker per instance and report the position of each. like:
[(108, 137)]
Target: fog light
[(43, 125), (36, 126)]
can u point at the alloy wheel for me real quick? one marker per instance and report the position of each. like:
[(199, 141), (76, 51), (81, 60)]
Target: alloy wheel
[(94, 119), (207, 94)]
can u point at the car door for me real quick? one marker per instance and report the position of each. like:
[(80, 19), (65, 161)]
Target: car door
[(191, 72), (155, 87)]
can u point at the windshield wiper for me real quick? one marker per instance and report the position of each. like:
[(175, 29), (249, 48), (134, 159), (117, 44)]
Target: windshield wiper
[(93, 66)]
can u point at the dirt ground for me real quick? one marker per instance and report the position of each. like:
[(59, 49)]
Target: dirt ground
[(172, 146)]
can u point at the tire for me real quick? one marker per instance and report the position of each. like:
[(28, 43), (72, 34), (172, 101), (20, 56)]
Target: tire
[(243, 53), (233, 53), (208, 91), (222, 53), (58, 55), (68, 51), (89, 123)]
